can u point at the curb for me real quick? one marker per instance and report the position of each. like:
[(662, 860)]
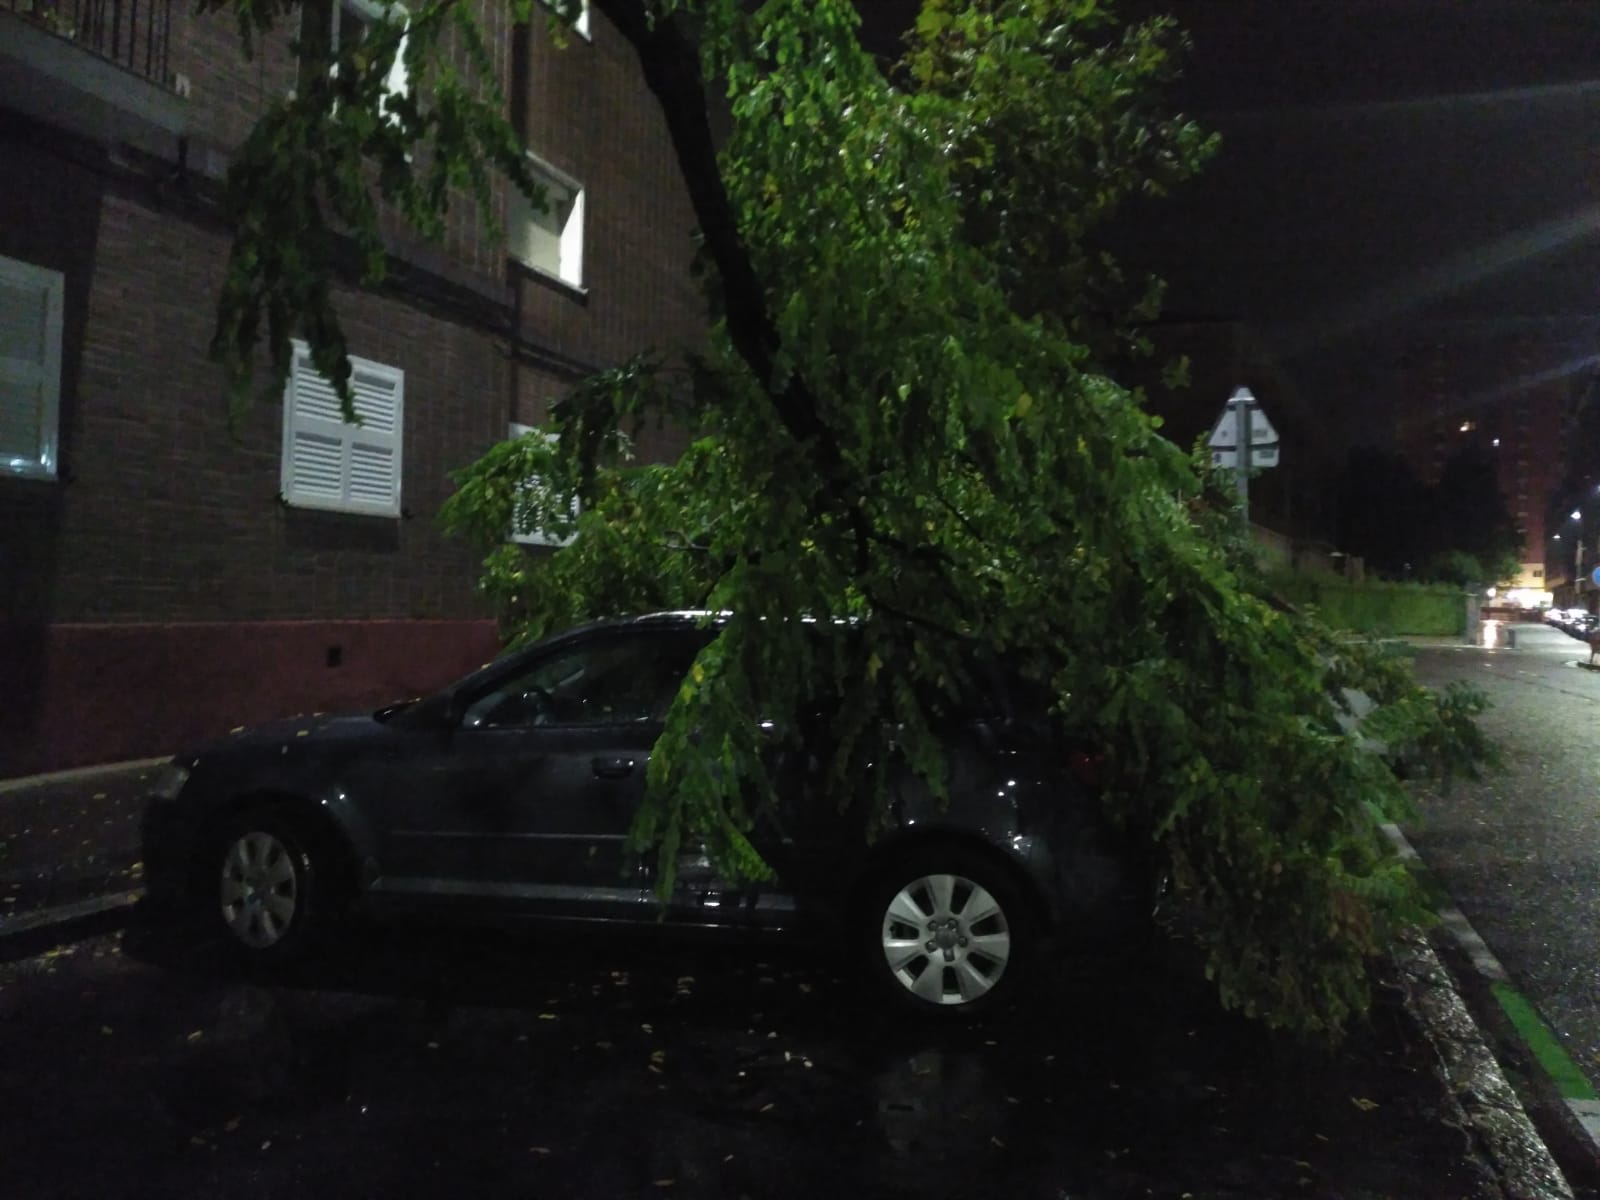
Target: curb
[(1484, 1099), (1486, 1104), (76, 774), (28, 934)]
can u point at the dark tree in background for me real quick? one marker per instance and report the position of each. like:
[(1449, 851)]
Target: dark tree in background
[(1383, 510), (1456, 531), (1470, 522)]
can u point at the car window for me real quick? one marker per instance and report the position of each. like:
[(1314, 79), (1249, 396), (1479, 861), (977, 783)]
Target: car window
[(605, 680)]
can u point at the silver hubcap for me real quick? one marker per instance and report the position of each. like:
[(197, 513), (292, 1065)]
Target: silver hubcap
[(260, 889), (946, 939)]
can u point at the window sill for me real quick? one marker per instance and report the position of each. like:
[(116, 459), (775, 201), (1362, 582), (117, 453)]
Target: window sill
[(343, 510), (550, 280), (32, 471)]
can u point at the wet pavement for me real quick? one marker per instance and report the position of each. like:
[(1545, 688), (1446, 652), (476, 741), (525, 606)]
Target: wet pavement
[(446, 1063), (70, 839), (1519, 852)]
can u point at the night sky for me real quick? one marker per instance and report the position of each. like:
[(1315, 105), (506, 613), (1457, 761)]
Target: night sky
[(1385, 164)]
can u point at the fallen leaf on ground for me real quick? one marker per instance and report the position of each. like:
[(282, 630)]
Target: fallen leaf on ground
[(994, 1141), (105, 1029), (231, 1125), (1363, 1103), (547, 1016), (665, 1183), (768, 1106), (538, 1149), (195, 1036)]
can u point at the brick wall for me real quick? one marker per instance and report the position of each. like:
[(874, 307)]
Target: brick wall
[(169, 515), (589, 113), (160, 578)]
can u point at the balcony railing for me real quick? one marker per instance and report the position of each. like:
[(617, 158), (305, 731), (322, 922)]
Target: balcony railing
[(134, 34)]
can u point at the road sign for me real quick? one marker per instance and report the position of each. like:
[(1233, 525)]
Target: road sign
[(1224, 441), (1225, 437)]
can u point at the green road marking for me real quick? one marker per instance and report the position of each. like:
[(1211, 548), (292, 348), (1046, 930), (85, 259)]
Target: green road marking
[(1569, 1081)]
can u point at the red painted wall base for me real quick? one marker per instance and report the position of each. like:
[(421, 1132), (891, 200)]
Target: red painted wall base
[(77, 695)]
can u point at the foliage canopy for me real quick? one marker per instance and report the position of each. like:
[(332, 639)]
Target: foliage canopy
[(896, 419)]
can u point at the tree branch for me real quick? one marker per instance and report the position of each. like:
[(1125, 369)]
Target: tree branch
[(671, 67)]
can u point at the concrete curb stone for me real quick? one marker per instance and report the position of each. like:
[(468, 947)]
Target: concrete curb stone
[(1487, 1104)]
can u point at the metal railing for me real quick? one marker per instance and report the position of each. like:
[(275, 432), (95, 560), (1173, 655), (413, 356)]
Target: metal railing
[(134, 34)]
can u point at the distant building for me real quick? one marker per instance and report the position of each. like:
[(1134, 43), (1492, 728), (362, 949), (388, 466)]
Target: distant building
[(1507, 386), (163, 578)]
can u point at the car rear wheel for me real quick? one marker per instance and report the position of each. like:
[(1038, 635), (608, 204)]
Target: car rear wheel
[(264, 886), (947, 933)]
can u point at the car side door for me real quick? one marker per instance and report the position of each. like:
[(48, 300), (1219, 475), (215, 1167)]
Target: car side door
[(531, 796)]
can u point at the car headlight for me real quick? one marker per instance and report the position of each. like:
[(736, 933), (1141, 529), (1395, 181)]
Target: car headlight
[(169, 782)]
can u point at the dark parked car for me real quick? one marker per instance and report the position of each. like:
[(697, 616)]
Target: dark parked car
[(510, 795)]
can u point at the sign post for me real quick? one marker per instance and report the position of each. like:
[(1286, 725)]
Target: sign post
[(1243, 438)]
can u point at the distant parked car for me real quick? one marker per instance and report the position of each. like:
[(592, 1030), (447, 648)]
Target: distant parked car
[(510, 794)]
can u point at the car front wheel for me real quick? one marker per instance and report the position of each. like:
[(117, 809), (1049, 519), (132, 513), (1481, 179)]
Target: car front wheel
[(265, 886), (948, 933)]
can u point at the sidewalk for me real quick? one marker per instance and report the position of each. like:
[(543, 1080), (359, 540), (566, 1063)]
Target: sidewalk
[(70, 868), (69, 843)]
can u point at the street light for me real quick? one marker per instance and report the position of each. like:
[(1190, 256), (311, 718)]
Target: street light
[(1576, 515)]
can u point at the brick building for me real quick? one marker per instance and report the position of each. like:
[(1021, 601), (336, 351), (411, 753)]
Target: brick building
[(1509, 387), (163, 577)]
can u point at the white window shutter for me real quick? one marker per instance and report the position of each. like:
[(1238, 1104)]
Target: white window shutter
[(374, 476), (532, 488), (572, 242), (328, 463), (31, 301)]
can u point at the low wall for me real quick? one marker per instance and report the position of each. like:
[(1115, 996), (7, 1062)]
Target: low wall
[(76, 695)]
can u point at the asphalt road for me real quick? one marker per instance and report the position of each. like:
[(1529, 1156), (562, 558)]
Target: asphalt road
[(1520, 850), (449, 1064)]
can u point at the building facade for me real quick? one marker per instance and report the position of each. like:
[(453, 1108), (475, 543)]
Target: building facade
[(165, 576), (1507, 387)]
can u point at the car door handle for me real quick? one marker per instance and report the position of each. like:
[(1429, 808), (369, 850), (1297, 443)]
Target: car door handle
[(612, 768)]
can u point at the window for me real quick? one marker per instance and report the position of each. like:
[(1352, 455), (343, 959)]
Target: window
[(328, 463), (30, 368), (600, 681), (548, 241), (1538, 572), (533, 489), (580, 22), (332, 25)]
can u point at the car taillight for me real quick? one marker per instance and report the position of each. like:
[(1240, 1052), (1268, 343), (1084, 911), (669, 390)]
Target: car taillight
[(1086, 767)]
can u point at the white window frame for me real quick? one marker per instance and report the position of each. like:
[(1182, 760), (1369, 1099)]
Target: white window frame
[(44, 463), (519, 209), (538, 537), (579, 23), (347, 436), (371, 12)]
